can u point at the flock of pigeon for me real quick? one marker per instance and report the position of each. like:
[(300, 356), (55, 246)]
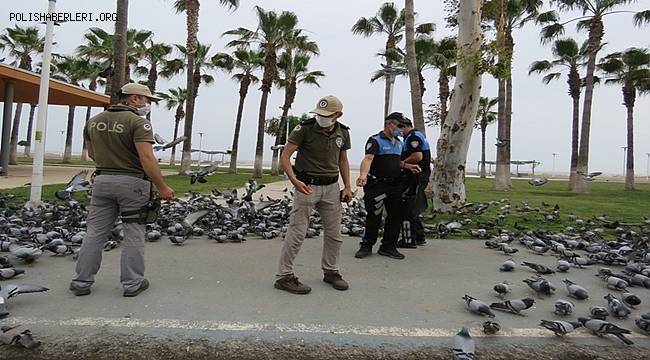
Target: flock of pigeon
[(616, 252)]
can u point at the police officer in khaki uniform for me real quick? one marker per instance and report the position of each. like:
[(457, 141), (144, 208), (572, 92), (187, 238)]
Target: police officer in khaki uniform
[(120, 140), (322, 143)]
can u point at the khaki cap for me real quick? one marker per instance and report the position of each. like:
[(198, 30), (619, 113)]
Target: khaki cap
[(328, 105), (138, 89)]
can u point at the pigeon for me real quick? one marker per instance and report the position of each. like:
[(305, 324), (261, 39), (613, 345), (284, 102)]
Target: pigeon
[(576, 291), (463, 347), (615, 283), (477, 306), (563, 266), (540, 285), (502, 288), (507, 266), (513, 306), (164, 144), (199, 176), (26, 253), (18, 335), (589, 176), (491, 327), (78, 183), (559, 327), (537, 181), (643, 324), (5, 263), (6, 274), (177, 240), (540, 269), (630, 299), (616, 307), (601, 327), (563, 307), (598, 312), (251, 188), (11, 290)]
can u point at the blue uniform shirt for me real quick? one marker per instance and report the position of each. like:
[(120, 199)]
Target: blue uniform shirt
[(416, 141), (386, 163)]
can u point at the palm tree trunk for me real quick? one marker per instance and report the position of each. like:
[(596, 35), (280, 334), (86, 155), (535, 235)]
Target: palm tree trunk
[(13, 144), (243, 91), (152, 79), (574, 142), (67, 154), (455, 136), (259, 148), (596, 31), (502, 167), (119, 47), (508, 146), (30, 130), (483, 128), (172, 161), (281, 137), (411, 62), (84, 151), (192, 10), (630, 95)]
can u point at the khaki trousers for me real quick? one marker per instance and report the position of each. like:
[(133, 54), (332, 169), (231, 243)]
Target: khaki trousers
[(327, 201), (111, 195)]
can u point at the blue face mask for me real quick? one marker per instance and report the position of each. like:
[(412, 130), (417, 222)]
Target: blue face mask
[(398, 132)]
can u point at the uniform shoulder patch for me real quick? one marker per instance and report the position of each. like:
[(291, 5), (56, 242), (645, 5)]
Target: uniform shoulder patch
[(297, 127), (339, 142), (368, 145), (415, 144), (147, 126)]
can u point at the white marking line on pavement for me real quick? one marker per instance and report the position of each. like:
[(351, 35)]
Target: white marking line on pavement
[(208, 325)]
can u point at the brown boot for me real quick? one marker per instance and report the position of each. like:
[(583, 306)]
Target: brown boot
[(291, 284), (336, 280)]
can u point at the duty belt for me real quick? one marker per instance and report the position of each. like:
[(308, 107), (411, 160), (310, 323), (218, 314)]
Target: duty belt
[(141, 175), (376, 179), (317, 180)]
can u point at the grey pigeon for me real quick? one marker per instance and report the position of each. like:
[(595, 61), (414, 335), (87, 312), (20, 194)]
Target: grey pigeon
[(463, 347), (477, 306), (513, 306), (563, 266), (540, 285), (502, 288), (491, 327), (630, 299), (537, 181), (11, 290), (601, 327), (78, 183), (576, 291), (26, 253), (563, 307), (6, 274), (615, 283), (18, 335), (598, 312), (643, 324), (616, 307), (164, 144), (199, 176), (559, 327), (589, 176), (540, 269), (508, 265), (5, 263)]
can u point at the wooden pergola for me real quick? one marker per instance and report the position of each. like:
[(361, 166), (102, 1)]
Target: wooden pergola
[(22, 86)]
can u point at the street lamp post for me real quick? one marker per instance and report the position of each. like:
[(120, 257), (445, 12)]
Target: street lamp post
[(41, 120), (62, 147), (647, 167), (200, 148), (554, 155), (624, 160)]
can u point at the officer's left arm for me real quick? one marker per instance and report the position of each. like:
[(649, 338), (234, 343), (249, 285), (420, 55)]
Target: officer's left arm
[(90, 150), (414, 145), (414, 158)]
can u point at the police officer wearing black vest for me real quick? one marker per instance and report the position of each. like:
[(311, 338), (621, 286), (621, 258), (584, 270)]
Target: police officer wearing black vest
[(380, 177), (416, 151)]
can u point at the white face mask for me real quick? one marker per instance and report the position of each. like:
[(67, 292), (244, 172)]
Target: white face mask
[(324, 121), (144, 109)]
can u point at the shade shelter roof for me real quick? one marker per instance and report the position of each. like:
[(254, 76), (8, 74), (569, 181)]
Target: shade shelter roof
[(27, 83)]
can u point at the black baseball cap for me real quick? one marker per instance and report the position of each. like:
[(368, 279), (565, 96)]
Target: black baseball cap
[(400, 118)]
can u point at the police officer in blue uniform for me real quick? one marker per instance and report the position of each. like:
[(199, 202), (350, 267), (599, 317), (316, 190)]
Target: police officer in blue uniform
[(380, 177), (416, 150)]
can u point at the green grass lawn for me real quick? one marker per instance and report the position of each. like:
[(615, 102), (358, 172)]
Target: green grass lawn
[(606, 198)]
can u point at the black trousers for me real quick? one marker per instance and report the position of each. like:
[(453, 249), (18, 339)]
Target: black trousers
[(377, 197), (414, 201)]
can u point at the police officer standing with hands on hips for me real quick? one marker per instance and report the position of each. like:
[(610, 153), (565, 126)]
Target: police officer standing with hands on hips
[(322, 143), (380, 177), (120, 140), (416, 151)]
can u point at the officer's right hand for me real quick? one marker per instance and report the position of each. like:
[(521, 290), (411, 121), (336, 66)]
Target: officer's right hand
[(167, 193), (303, 188)]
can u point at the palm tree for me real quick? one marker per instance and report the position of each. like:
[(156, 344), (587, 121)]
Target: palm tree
[(294, 70), (175, 98), (507, 15), (71, 70), (22, 44), (443, 58), (120, 47), (592, 20), (391, 22), (92, 71), (484, 117), (155, 55), (568, 56), (411, 62), (273, 32), (246, 61), (631, 70), (191, 9)]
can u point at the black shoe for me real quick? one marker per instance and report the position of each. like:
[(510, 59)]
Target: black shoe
[(363, 252), (291, 284), (336, 280), (403, 245), (79, 291), (144, 285), (393, 253), (420, 242)]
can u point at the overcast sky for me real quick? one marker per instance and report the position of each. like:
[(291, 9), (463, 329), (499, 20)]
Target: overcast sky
[(541, 114)]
